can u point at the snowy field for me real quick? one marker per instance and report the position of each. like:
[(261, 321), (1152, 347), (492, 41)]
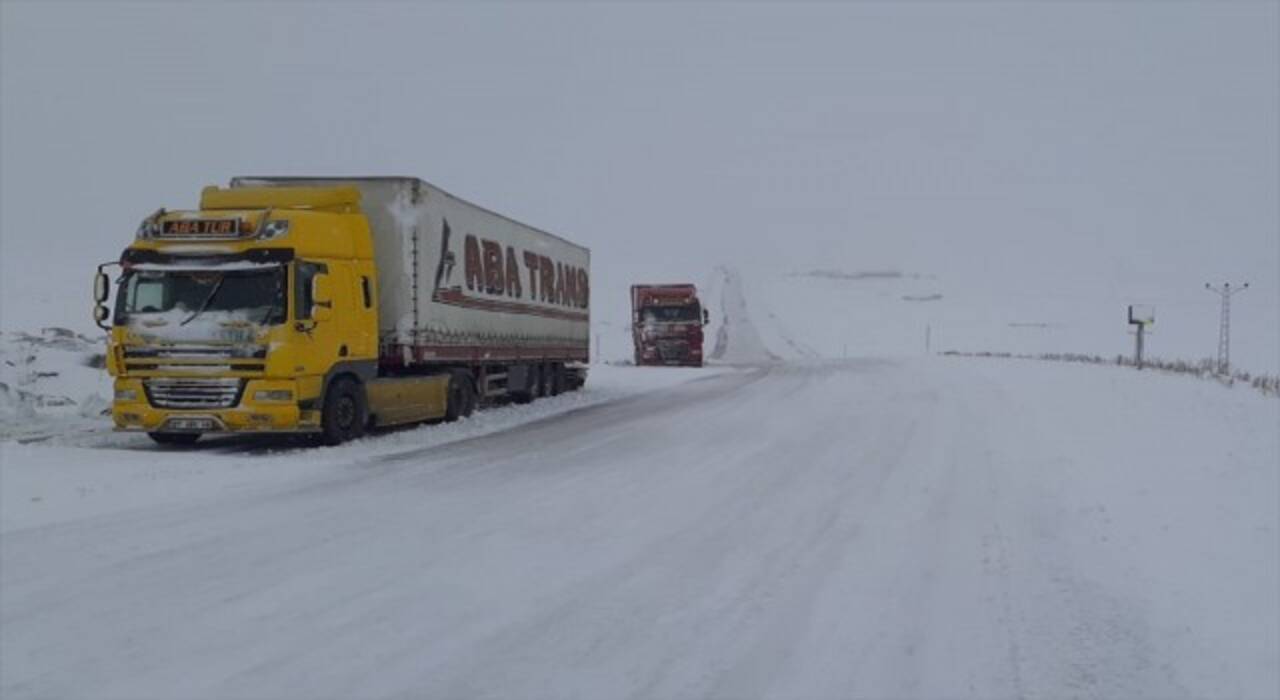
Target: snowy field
[(895, 313), (789, 524)]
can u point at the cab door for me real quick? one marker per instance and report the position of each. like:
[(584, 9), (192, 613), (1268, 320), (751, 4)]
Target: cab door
[(320, 341)]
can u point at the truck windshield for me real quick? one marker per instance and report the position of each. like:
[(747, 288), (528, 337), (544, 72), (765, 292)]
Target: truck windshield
[(181, 297), (671, 314)]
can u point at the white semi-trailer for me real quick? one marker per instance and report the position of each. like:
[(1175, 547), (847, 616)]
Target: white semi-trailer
[(461, 283), (331, 304)]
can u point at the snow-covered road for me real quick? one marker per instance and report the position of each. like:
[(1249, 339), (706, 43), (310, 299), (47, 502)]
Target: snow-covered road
[(914, 528)]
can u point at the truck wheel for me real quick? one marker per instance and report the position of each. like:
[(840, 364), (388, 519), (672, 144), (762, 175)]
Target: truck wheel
[(345, 412), (174, 438), (473, 399), (461, 398), (526, 393), (555, 382), (539, 381)]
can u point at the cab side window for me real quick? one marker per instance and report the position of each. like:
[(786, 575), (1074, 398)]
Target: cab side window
[(305, 272)]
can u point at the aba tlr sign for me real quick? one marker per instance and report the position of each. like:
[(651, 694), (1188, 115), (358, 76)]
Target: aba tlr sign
[(201, 228)]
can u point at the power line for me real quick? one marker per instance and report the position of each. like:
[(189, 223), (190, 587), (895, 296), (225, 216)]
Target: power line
[(1225, 292)]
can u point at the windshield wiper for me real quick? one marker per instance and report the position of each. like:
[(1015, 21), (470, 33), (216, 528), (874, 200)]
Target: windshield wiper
[(207, 300), (271, 310)]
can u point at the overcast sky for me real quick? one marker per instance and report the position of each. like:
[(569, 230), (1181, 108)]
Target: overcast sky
[(1060, 148)]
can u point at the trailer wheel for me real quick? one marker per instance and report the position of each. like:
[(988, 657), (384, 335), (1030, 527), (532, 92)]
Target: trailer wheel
[(174, 438), (531, 384), (345, 412), (473, 398), (539, 381), (555, 383), (461, 399)]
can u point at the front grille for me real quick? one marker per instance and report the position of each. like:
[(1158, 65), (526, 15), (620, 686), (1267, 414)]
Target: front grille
[(671, 350), (193, 392)]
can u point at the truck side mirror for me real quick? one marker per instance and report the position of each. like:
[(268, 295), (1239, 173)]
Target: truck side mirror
[(321, 298), (321, 289), (100, 314), (101, 286)]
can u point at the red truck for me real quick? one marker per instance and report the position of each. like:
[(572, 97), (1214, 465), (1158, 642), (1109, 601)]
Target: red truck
[(666, 324)]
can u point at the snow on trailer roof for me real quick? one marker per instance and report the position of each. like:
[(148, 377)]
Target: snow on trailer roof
[(275, 180)]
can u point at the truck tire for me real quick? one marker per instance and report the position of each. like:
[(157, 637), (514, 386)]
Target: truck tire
[(473, 397), (529, 391), (539, 381), (461, 399), (345, 412), (174, 438), (555, 381)]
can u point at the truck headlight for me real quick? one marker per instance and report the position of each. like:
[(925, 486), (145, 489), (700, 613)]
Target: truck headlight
[(273, 395), (126, 394), (148, 230), (274, 229)]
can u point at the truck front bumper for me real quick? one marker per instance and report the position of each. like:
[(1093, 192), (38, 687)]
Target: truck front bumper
[(678, 353), (133, 411)]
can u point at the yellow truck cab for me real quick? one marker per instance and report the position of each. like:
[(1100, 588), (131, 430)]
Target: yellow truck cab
[(260, 313)]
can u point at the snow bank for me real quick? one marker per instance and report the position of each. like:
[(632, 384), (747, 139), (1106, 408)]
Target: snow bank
[(51, 382), (56, 467), (737, 340)]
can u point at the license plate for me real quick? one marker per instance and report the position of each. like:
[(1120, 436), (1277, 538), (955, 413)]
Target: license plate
[(212, 228), (191, 424)]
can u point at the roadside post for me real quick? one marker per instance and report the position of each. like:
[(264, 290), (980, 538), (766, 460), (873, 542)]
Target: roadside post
[(1141, 316)]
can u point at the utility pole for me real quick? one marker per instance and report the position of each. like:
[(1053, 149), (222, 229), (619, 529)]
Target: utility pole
[(1225, 292)]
